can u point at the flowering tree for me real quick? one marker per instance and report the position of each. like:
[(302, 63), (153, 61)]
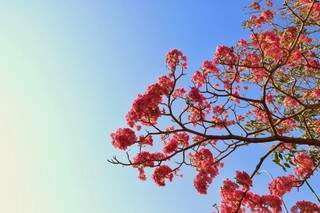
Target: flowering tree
[(263, 90)]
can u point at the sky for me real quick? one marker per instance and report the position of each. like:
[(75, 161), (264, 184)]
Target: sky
[(69, 72)]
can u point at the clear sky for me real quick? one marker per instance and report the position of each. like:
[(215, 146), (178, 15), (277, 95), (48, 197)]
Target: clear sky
[(69, 71)]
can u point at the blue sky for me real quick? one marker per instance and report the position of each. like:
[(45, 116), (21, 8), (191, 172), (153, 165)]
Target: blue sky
[(70, 71)]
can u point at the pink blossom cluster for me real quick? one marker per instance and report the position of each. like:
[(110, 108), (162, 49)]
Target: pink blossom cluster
[(305, 207), (304, 164), (177, 139), (224, 55), (145, 108), (162, 173), (289, 102), (236, 199), (264, 17), (123, 138), (282, 185), (207, 169), (174, 58)]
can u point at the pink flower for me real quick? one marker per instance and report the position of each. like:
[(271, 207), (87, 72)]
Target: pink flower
[(173, 143), (175, 57), (202, 181), (199, 78), (267, 15), (282, 185), (225, 55), (166, 84), (162, 173), (289, 102), (305, 207), (316, 93), (146, 140), (195, 95), (209, 67), (145, 108), (243, 179), (123, 138), (142, 176), (147, 159), (304, 164), (205, 163), (179, 92), (256, 6)]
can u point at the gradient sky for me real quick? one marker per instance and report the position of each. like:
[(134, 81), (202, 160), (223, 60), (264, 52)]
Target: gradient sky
[(69, 71)]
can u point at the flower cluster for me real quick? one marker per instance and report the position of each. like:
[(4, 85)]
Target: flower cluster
[(147, 159), (306, 207), (265, 16), (147, 140), (269, 41), (243, 179), (282, 185), (304, 164), (199, 78), (289, 102), (196, 96), (173, 143), (161, 173), (234, 198), (209, 67), (225, 55), (207, 169), (145, 108), (174, 58), (123, 138), (179, 92)]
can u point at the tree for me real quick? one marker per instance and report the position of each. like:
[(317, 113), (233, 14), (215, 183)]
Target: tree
[(263, 90)]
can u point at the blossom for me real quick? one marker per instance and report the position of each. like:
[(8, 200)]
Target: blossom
[(145, 108), (123, 138), (243, 179), (142, 176), (256, 6), (230, 196), (161, 173), (258, 74), (288, 125), (174, 58), (205, 164), (147, 159), (201, 182), (260, 115), (209, 67), (267, 15), (263, 203), (316, 93), (269, 98), (179, 92), (199, 78), (219, 109), (196, 115), (177, 139), (225, 55), (306, 207), (281, 185), (289, 102), (304, 164), (305, 1), (195, 95), (166, 84), (146, 140)]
